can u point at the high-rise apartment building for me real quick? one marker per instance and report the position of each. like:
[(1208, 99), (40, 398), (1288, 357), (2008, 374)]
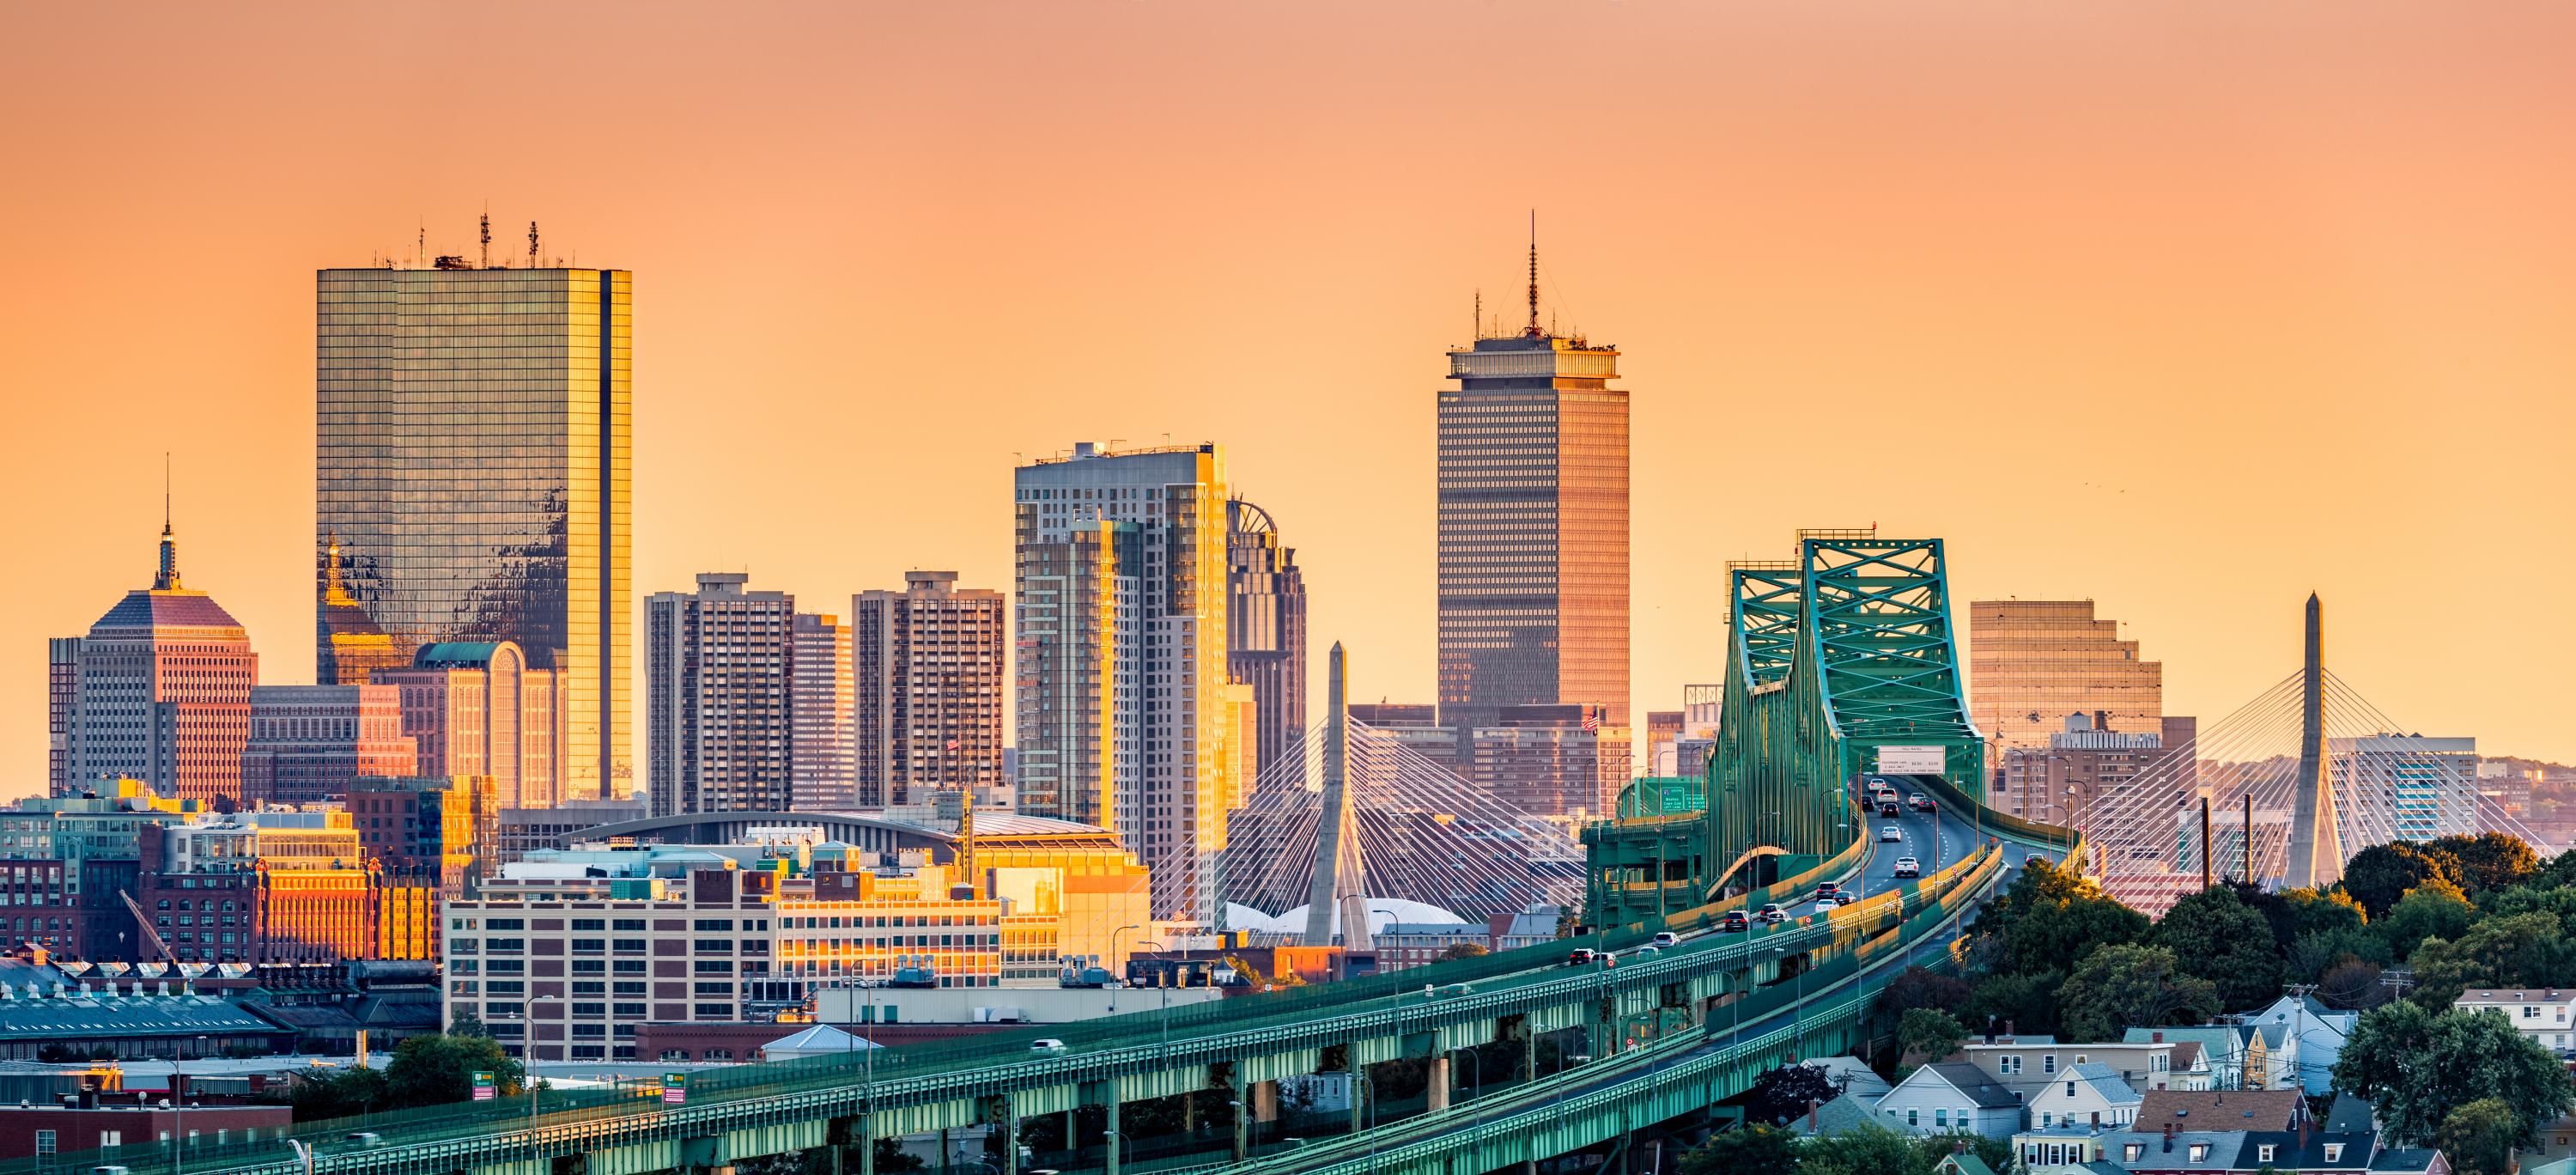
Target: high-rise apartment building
[(823, 754), (158, 691), (1554, 761), (1121, 641), (2032, 663), (473, 467), (1266, 630), (309, 742), (717, 697), (475, 708), (2405, 786), (1533, 486), (928, 662)]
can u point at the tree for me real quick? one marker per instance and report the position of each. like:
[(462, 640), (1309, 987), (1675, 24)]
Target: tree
[(2414, 1067), (2559, 873), (2225, 942), (2123, 986), (1784, 1093), (2379, 875), (2559, 903), (434, 1070), (1753, 1150), (2479, 1137), (2018, 1003), (1930, 1033), (1870, 1149), (2516, 950), (1916, 987), (2435, 909), (2489, 860), (1996, 1153), (1463, 950), (2277, 913), (2323, 911), (2352, 985), (338, 1093), (2051, 917)]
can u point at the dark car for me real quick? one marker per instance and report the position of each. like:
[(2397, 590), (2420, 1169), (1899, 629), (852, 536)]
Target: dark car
[(1734, 922)]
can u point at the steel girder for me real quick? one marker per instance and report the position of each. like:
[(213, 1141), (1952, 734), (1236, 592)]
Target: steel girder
[(1847, 648)]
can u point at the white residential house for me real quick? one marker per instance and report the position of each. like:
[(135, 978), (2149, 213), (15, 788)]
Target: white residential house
[(1950, 1096), (2239, 1056), (2090, 1096), (2321, 1031), (2541, 1014)]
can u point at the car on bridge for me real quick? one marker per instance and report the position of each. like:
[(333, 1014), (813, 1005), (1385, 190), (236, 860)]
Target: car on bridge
[(1666, 938), (1840, 897), (1920, 802), (1734, 922), (1826, 889), (1908, 867), (1771, 914), (1582, 957), (1891, 833)]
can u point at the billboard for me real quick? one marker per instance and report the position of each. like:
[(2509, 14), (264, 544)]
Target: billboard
[(1893, 760)]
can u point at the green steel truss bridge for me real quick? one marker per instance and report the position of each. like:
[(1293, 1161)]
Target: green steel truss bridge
[(1846, 652)]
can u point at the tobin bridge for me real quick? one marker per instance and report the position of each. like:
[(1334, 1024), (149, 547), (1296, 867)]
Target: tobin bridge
[(1841, 660)]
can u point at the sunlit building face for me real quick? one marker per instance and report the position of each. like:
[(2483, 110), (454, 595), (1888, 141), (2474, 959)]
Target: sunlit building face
[(473, 465)]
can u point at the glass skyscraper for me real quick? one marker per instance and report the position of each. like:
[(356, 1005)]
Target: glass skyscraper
[(473, 464), (1266, 632), (1533, 528)]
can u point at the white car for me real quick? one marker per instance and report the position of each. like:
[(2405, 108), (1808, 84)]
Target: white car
[(1891, 833), (1908, 867), (1666, 938), (1772, 913)]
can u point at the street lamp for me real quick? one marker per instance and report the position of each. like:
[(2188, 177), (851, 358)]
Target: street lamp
[(1475, 1069), (1120, 961)]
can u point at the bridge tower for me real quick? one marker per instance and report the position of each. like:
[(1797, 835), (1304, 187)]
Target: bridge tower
[(2314, 857), (1340, 875)]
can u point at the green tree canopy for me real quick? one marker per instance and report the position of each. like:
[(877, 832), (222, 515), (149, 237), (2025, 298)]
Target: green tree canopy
[(2224, 941), (2479, 1136), (2047, 919), (2558, 873), (1870, 1149), (2323, 911), (2415, 1067), (435, 1070), (2489, 860), (1930, 1033), (2379, 875), (1753, 1150), (2025, 1004), (2123, 986), (2514, 950), (2434, 909)]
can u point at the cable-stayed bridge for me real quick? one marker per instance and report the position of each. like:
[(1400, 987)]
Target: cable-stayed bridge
[(2293, 783)]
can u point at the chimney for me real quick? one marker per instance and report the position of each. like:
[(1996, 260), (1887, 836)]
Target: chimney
[(2168, 1138), (2008, 1030), (2097, 1121), (1990, 1028), (1811, 1115), (2159, 1036)]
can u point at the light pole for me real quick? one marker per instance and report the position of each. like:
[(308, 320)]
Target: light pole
[(1475, 1070), (1120, 961), (1162, 984)]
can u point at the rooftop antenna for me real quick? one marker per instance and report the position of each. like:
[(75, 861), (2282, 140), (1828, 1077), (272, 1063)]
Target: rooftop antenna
[(1480, 314), (487, 234), (532, 244), (421, 249), (1533, 280)]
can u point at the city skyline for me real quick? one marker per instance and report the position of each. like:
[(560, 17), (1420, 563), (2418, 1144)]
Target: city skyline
[(2268, 286)]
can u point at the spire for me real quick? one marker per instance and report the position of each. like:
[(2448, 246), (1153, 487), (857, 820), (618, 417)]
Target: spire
[(168, 579), (1533, 280), (333, 591)]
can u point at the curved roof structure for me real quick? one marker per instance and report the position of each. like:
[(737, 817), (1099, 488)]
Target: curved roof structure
[(1383, 912)]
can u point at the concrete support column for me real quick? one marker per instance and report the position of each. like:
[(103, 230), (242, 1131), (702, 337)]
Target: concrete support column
[(1242, 1114), (943, 1150), (1265, 1101), (867, 1151), (1439, 1083), (1359, 1095), (1109, 1166), (1009, 1128)]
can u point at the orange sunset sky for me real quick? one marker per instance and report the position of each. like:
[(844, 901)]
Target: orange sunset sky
[(2186, 307)]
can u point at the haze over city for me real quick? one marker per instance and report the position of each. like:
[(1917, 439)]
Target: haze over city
[(2190, 311)]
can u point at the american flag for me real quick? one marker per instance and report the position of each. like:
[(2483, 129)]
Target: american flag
[(952, 744), (1591, 720)]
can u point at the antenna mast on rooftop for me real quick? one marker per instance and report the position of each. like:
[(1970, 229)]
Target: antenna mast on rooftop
[(1533, 276), (532, 244), (487, 235)]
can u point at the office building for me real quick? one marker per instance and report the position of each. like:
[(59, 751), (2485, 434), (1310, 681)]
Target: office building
[(716, 697), (1266, 630), (307, 742), (2033, 662), (477, 708), (928, 662), (2403, 787), (2086, 763), (442, 829), (159, 691), (351, 645), (473, 466), (1555, 761), (822, 763), (262, 887), (521, 831), (1123, 707), (1533, 489), (96, 838), (1414, 726)]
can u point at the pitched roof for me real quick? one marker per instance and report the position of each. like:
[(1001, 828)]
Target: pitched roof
[(2349, 1115), (2219, 1040), (2106, 1081), (2220, 1109), (166, 609), (1845, 1112), (2186, 1055), (2417, 1159), (1964, 1164), (2223, 1148), (1972, 1082)]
